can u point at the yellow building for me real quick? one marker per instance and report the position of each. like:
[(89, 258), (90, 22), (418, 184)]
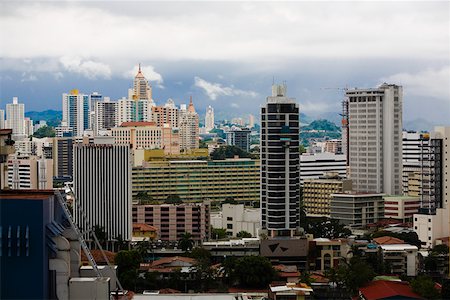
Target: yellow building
[(194, 180), (141, 230), (317, 193)]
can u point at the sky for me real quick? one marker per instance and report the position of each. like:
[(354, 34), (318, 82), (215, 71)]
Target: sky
[(227, 55)]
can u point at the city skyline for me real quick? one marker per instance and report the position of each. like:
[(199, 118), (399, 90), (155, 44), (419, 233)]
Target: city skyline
[(403, 44)]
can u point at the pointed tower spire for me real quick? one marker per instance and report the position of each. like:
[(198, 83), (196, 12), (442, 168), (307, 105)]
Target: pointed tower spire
[(191, 107), (139, 68)]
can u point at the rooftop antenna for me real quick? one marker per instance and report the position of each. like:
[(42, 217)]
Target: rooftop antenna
[(273, 80)]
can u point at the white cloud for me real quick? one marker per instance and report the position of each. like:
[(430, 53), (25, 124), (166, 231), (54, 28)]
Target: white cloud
[(215, 90), (149, 73), (317, 107), (234, 105), (88, 68), (28, 77), (430, 82)]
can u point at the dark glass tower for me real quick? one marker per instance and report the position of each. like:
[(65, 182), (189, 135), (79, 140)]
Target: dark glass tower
[(280, 164)]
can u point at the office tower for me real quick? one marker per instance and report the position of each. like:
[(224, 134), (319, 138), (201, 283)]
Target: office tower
[(280, 163), (357, 209), (106, 115), (15, 119), (102, 185), (2, 119), (316, 165), (146, 135), (142, 90), (28, 125), (30, 173), (375, 139), (175, 220), (432, 222), (134, 110), (209, 119), (412, 148), (251, 121), (93, 99), (189, 131), (194, 180), (76, 111), (333, 146), (239, 137), (166, 115), (63, 157)]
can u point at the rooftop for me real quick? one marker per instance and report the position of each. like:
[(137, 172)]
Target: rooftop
[(382, 289)]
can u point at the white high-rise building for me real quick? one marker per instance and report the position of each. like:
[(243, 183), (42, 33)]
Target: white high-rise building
[(375, 139), (29, 127), (251, 121), (280, 164), (2, 119), (130, 110), (76, 111), (433, 220), (106, 115), (209, 119), (15, 119), (30, 173), (102, 185), (189, 130), (413, 145)]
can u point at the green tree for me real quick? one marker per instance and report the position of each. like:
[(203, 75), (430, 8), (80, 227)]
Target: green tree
[(244, 234), (229, 200), (128, 262), (45, 131), (186, 243), (355, 274), (199, 254), (173, 199), (305, 277), (302, 149), (440, 249), (218, 233), (100, 233), (445, 291), (254, 271), (425, 287), (121, 244), (326, 228), (224, 152), (144, 197), (203, 144)]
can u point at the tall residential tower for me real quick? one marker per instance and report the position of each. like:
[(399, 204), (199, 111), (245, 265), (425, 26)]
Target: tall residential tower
[(209, 119), (280, 164), (375, 139)]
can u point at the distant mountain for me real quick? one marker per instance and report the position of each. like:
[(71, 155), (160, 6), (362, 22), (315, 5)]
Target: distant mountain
[(304, 119), (332, 117), (52, 117), (418, 125), (322, 125)]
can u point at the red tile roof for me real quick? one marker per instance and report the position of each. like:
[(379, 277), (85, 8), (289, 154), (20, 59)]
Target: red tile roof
[(382, 289), (168, 260), (98, 256), (144, 227), (137, 124), (388, 240)]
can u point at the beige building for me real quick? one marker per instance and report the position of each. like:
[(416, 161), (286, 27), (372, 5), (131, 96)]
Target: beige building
[(174, 220), (401, 207), (333, 146), (329, 253), (146, 135), (166, 115), (357, 209), (317, 193), (189, 128), (30, 173)]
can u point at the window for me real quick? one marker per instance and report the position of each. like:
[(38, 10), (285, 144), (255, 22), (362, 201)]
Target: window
[(229, 226)]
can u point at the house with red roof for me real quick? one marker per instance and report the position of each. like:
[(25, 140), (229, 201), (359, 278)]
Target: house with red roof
[(383, 289)]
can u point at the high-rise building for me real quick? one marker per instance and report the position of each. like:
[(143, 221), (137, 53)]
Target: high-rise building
[(15, 119), (166, 115), (102, 185), (280, 163), (106, 115), (189, 130), (239, 137), (209, 118), (432, 221), (412, 147), (63, 157), (76, 111), (316, 165), (2, 119), (28, 125), (251, 121), (142, 90), (134, 110), (375, 139)]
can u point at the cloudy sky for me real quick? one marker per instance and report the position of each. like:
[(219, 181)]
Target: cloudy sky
[(227, 54)]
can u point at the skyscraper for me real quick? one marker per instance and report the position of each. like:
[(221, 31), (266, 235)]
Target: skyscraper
[(209, 118), (239, 137), (106, 115), (142, 90), (2, 119), (280, 163), (15, 119), (102, 185), (375, 139), (167, 115), (189, 131), (76, 108)]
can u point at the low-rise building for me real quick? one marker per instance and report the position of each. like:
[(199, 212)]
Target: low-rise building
[(236, 217), (328, 253), (30, 173), (384, 290), (173, 220), (402, 258), (237, 248), (317, 193), (357, 209), (290, 291), (144, 231), (401, 207)]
